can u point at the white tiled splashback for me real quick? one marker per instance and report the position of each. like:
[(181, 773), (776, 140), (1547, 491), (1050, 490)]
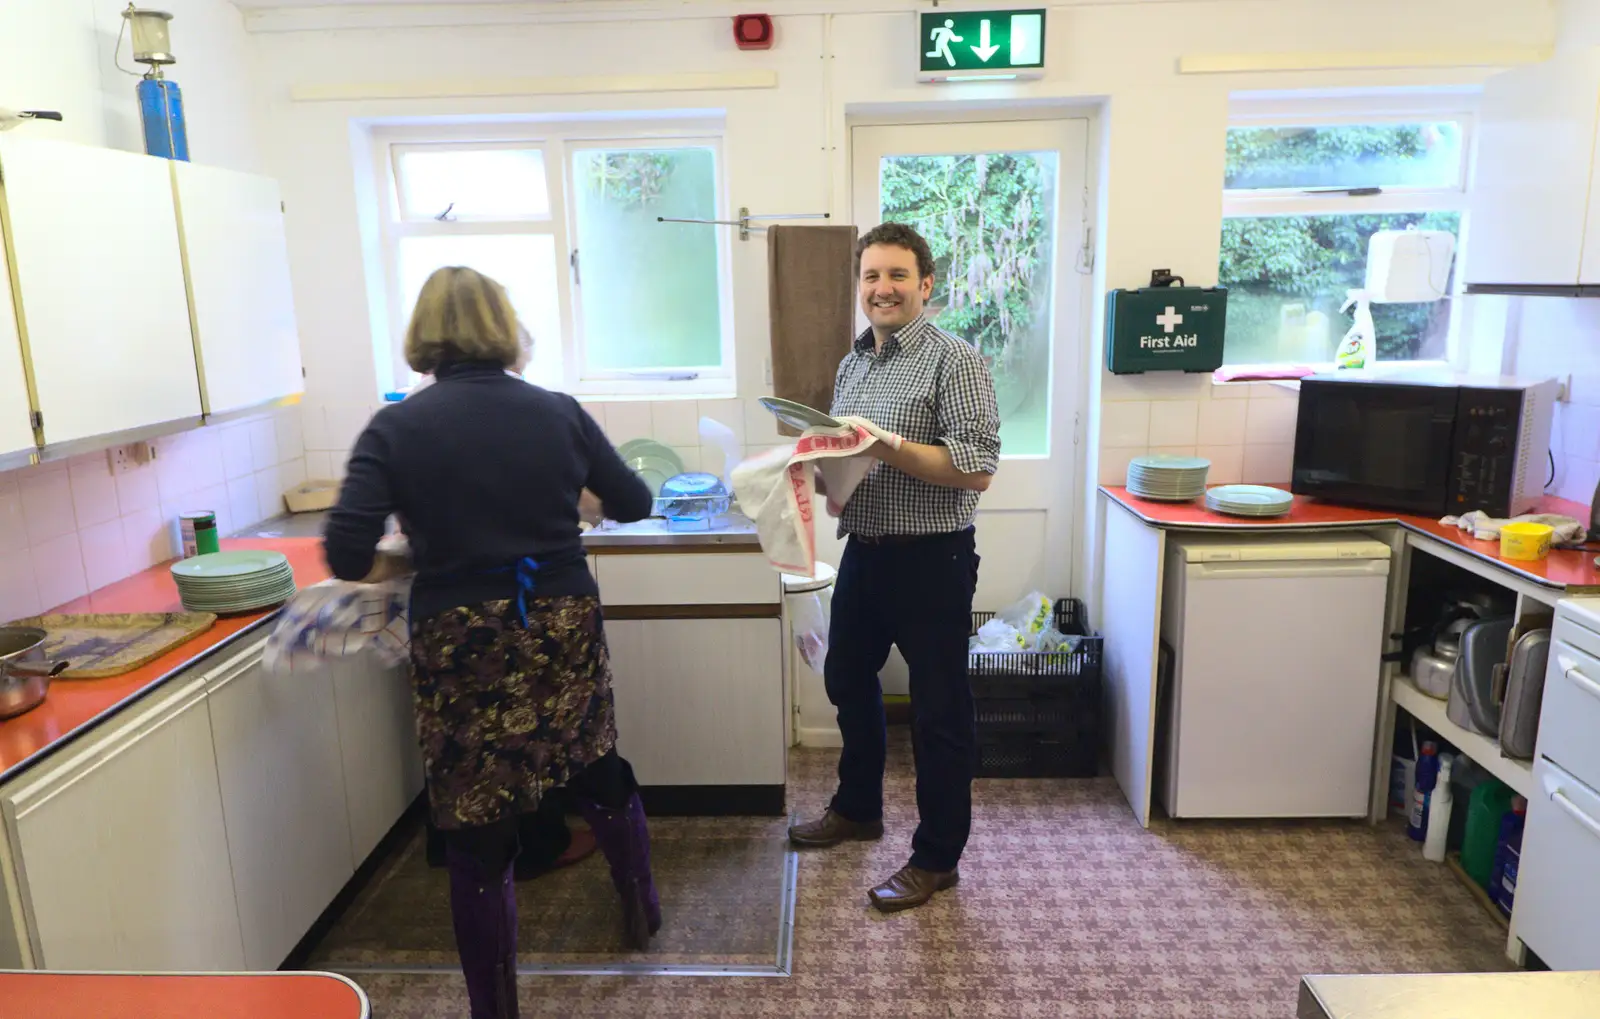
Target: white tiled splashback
[(1246, 429), (69, 527), (331, 429)]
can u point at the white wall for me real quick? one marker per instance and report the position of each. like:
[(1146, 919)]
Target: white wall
[(67, 528), (1159, 162), (1561, 338)]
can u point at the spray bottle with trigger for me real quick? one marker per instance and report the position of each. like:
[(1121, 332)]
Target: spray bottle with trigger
[(1356, 349)]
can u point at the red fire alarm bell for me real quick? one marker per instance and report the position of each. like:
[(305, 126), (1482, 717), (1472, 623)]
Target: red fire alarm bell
[(752, 31)]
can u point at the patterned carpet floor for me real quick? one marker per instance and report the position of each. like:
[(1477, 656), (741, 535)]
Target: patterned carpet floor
[(1066, 908)]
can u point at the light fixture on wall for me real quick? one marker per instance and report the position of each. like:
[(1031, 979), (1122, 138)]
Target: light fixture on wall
[(160, 102)]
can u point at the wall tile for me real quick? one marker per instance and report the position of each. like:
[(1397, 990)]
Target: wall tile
[(1174, 422), (728, 413), (13, 525), (1227, 464), (47, 503), (106, 556), (627, 420), (1268, 463), (244, 505), (237, 459), (291, 437), (58, 570), (263, 444), (138, 489), (346, 422), (1125, 423), (596, 410), (269, 493), (1230, 390), (319, 466), (675, 422), (1222, 422), (760, 427), (148, 539), (1271, 421), (1580, 431), (314, 425), (19, 594), (1114, 463), (94, 490)]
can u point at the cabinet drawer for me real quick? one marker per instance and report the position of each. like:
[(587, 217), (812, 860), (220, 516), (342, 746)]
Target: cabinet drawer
[(686, 579), (1569, 716), (1558, 898)]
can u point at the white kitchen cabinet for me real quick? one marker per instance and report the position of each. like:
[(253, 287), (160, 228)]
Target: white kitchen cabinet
[(378, 742), (283, 800), (16, 427), (120, 851), (238, 272), (1535, 200), (699, 701), (93, 235)]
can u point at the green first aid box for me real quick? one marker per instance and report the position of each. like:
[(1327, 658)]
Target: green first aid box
[(1165, 329)]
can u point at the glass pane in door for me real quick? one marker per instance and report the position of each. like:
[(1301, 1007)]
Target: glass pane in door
[(990, 218)]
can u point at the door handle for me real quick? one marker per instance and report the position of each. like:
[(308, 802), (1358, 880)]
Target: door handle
[(1570, 671), (1574, 811)]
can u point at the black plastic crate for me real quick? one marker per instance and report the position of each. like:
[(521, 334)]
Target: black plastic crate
[(1038, 712)]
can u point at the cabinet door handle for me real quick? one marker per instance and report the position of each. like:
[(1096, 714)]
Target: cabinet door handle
[(1575, 675), (1574, 811)]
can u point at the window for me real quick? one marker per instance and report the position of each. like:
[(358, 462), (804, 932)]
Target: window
[(568, 218), (1301, 202)]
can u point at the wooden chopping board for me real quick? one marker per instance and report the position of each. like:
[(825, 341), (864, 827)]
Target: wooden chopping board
[(100, 646)]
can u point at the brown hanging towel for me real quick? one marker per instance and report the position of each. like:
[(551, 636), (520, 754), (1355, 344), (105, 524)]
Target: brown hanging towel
[(811, 292)]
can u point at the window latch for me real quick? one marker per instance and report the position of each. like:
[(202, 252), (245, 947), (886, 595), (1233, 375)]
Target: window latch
[(1351, 192), (572, 260), (445, 217)]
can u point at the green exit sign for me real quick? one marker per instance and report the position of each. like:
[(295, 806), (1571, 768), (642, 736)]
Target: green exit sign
[(975, 45)]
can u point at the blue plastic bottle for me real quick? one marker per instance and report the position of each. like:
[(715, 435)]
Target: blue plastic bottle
[(1427, 776), (1508, 855)]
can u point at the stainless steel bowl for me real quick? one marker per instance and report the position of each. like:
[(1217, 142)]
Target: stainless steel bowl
[(24, 672)]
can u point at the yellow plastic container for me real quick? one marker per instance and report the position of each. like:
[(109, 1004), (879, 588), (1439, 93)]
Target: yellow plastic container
[(1528, 542)]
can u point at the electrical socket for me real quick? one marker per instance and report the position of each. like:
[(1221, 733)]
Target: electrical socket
[(128, 457)]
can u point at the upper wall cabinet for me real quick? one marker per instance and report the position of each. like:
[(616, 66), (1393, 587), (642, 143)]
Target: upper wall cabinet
[(1535, 223), (100, 288), (238, 265), (16, 430)]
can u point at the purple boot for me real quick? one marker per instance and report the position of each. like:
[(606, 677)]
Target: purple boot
[(485, 918), (624, 838)]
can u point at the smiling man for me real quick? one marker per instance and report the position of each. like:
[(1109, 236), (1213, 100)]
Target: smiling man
[(910, 566)]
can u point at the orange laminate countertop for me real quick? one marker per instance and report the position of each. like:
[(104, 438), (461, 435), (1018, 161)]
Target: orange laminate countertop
[(41, 994), (1565, 569), (75, 705)]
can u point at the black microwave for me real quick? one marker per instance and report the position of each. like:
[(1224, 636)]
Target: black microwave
[(1425, 443)]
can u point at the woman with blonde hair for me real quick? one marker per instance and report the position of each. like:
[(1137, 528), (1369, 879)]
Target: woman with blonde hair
[(508, 652)]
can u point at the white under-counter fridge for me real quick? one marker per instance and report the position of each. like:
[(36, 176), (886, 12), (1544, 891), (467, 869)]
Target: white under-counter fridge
[(1271, 706)]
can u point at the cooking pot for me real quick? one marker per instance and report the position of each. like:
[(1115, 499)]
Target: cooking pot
[(24, 672)]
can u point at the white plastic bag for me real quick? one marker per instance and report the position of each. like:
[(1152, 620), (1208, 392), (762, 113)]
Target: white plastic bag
[(997, 637), (810, 626), (1031, 616)]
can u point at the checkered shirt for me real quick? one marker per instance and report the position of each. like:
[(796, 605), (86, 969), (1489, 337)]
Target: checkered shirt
[(926, 386)]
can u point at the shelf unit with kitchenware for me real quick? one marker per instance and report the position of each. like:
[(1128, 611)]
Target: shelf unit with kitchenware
[(1456, 649)]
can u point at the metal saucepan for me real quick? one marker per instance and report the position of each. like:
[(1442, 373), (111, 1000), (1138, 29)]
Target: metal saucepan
[(24, 672)]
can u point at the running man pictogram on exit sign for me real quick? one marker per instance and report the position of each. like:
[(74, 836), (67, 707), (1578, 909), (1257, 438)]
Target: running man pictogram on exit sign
[(979, 45)]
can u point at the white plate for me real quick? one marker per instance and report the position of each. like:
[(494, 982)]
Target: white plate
[(797, 415)]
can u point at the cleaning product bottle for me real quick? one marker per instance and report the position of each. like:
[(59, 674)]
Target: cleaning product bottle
[(1359, 345), (1503, 888), (1439, 804), (1488, 804), (1427, 774)]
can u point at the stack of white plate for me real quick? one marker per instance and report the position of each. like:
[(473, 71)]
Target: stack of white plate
[(1168, 478), (1249, 501), (234, 581)]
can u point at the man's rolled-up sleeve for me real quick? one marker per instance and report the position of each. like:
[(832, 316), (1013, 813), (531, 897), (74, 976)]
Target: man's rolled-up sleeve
[(969, 418)]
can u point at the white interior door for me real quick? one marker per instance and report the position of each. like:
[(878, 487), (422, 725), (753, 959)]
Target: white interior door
[(1003, 206), (16, 431)]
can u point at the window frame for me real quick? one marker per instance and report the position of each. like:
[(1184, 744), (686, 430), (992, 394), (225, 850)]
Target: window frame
[(1241, 203), (557, 141)]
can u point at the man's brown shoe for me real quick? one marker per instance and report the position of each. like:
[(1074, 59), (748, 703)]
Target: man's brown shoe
[(910, 887), (831, 829)]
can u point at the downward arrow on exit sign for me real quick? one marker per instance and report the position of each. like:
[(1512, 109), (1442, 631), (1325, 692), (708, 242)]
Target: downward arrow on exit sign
[(984, 50), (952, 45)]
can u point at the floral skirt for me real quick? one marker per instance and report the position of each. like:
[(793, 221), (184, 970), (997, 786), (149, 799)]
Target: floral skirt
[(507, 710)]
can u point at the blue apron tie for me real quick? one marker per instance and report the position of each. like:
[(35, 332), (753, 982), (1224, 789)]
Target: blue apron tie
[(526, 568)]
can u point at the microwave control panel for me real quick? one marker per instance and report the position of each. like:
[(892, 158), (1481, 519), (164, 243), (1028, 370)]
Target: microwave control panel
[(1483, 475)]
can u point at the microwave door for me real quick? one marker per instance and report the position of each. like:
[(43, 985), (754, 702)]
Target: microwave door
[(1381, 446)]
